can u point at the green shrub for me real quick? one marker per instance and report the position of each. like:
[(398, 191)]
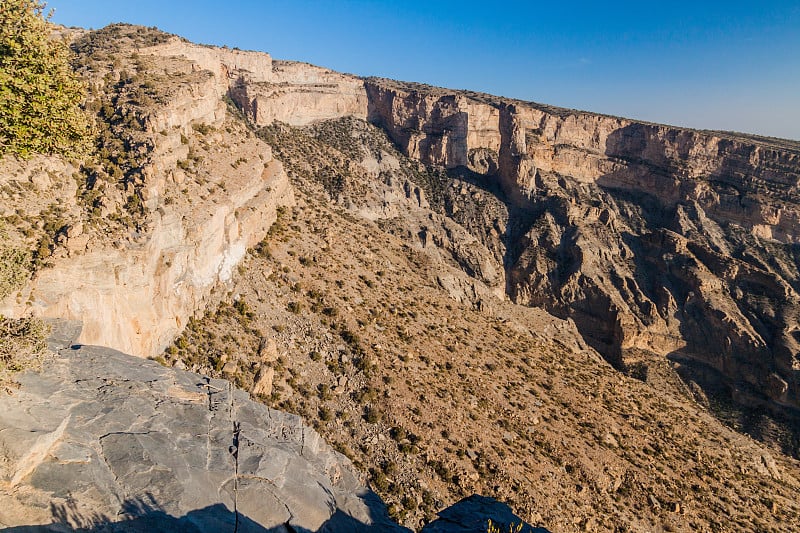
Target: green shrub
[(372, 414), (15, 266), (39, 92)]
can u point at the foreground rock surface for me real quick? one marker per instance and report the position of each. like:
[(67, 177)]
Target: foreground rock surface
[(108, 442)]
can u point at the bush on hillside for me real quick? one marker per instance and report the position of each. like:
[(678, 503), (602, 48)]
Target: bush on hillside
[(39, 92), (15, 265), (14, 269)]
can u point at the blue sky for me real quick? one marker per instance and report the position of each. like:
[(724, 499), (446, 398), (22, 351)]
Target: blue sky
[(710, 65)]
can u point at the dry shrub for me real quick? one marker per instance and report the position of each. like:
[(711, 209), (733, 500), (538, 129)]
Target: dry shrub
[(23, 344)]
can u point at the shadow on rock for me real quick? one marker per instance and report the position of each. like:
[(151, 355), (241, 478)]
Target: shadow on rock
[(145, 516)]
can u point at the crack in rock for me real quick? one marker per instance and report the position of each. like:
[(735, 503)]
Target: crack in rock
[(235, 453)]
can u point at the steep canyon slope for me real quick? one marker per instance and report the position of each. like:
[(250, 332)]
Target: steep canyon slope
[(366, 310)]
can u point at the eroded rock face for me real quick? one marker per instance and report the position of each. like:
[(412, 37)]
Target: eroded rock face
[(679, 242), (267, 90), (208, 191), (136, 293), (106, 440)]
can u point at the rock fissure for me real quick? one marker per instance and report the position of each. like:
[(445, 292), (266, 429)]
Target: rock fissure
[(234, 451), (112, 433)]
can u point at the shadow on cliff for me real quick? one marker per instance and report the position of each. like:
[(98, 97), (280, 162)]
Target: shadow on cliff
[(146, 516), (648, 186), (740, 406), (520, 218)]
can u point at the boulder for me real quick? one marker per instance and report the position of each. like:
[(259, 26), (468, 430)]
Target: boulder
[(472, 515)]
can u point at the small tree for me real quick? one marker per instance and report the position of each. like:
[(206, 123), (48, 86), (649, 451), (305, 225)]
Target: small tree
[(39, 92)]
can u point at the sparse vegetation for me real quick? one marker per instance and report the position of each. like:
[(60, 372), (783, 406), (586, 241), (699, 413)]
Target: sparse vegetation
[(22, 346), (15, 265)]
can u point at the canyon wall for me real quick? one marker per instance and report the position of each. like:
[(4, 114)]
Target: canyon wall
[(137, 296), (268, 90), (673, 241), (740, 179), (209, 188), (209, 191)]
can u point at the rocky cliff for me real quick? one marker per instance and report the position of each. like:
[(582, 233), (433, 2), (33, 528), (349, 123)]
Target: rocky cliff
[(268, 90), (203, 191), (677, 242)]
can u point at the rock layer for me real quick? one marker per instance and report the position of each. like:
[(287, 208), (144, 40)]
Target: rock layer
[(268, 90), (651, 237)]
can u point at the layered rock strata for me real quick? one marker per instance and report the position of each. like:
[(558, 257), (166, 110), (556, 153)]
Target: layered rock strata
[(651, 237), (268, 90)]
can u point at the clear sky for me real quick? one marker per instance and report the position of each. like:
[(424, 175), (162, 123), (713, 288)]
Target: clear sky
[(705, 64)]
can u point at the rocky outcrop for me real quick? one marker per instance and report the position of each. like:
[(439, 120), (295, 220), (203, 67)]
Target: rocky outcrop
[(270, 90), (136, 295), (299, 94), (106, 441), (204, 207), (435, 126), (475, 514), (650, 237)]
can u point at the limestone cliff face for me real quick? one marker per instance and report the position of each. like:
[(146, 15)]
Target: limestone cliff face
[(268, 90), (436, 128), (209, 191), (138, 295), (728, 175), (679, 242), (300, 94)]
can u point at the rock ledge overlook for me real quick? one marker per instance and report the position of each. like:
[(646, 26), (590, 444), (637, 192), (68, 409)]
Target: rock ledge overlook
[(106, 441)]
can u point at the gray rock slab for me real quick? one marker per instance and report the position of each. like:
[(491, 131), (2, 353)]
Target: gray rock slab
[(102, 441)]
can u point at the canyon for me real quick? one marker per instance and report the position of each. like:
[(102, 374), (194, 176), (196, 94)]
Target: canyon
[(660, 261)]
